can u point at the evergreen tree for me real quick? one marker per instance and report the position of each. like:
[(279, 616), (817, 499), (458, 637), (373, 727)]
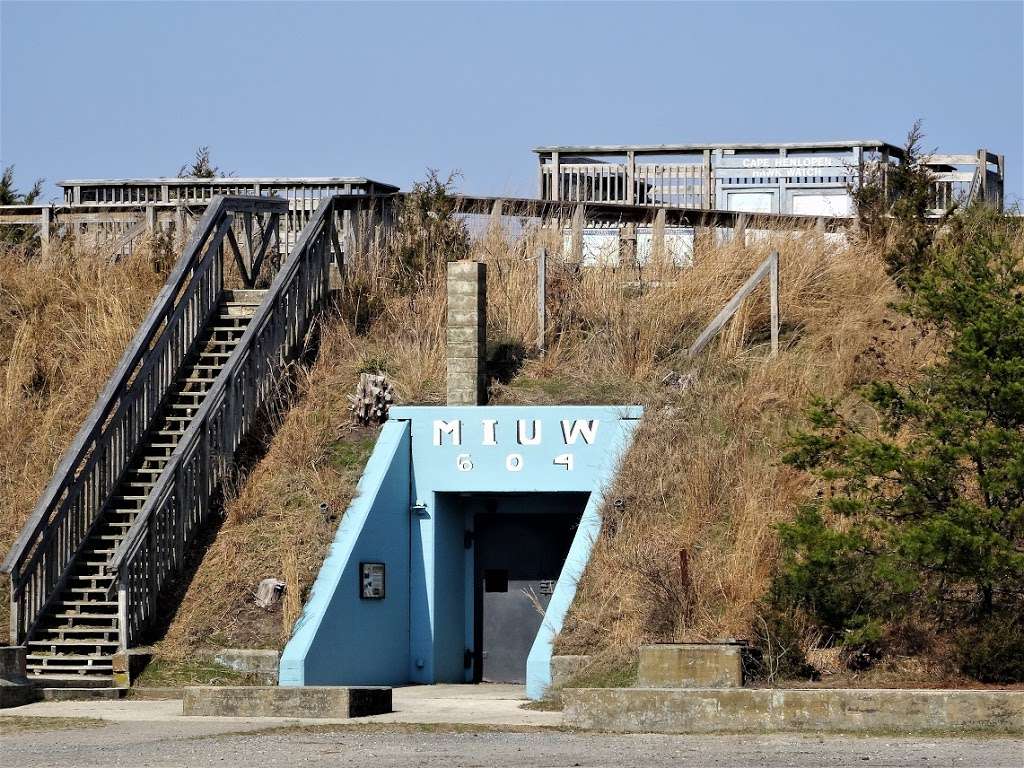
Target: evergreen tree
[(923, 529)]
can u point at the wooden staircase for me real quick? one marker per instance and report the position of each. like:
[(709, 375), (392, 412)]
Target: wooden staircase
[(126, 502), (79, 633)]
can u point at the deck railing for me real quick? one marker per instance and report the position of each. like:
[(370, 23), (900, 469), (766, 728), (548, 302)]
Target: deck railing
[(90, 470), (155, 545), (680, 185)]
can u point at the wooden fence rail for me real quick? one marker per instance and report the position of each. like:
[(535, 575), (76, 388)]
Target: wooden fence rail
[(769, 268), (40, 560)]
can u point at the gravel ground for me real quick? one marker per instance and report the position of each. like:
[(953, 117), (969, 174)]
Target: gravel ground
[(229, 745)]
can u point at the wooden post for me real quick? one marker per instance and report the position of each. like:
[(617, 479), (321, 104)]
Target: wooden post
[(659, 253), (708, 200), (773, 292), (150, 220), (631, 177), (739, 228), (627, 245), (348, 235), (542, 259), (982, 171), (556, 178), (179, 226), (577, 235), (122, 614), (494, 226), (44, 231)]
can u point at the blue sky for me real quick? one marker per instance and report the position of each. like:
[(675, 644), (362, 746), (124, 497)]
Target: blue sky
[(385, 90)]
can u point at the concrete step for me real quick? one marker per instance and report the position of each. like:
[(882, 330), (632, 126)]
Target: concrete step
[(71, 681), (84, 693)]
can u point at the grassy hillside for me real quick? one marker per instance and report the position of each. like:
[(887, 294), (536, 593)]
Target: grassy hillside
[(704, 474), (64, 323)]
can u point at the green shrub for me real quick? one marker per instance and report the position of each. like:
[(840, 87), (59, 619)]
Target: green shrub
[(923, 517), (993, 651)]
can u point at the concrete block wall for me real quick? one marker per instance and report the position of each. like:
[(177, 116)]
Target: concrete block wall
[(467, 333)]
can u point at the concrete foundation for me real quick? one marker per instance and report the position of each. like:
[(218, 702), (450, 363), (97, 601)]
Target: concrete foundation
[(128, 665), (691, 665), (15, 688), (274, 701), (664, 710)]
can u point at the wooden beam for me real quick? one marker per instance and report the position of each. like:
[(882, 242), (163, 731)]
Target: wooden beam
[(767, 266)]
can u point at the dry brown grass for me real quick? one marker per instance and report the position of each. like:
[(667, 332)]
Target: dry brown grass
[(64, 323), (704, 473)]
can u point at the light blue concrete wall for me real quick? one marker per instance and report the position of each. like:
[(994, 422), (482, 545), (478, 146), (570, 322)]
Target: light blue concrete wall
[(341, 639), (450, 591), (501, 449)]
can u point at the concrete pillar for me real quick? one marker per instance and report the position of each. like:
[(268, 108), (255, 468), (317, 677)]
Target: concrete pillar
[(467, 333)]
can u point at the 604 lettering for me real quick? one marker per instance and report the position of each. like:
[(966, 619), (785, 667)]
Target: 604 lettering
[(514, 462)]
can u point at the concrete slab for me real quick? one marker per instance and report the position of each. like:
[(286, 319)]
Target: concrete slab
[(319, 702), (820, 710), (490, 705)]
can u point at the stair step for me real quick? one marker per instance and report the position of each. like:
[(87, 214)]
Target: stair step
[(68, 629), (237, 309), (64, 643), (251, 295), (76, 682), (77, 693), (90, 616)]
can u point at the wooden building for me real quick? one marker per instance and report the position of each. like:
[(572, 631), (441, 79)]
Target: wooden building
[(812, 178)]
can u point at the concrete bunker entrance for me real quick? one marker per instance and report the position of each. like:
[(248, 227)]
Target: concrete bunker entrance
[(515, 547), (459, 557)]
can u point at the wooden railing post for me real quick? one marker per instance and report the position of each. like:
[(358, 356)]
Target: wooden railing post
[(542, 259), (556, 177), (773, 290), (44, 231)]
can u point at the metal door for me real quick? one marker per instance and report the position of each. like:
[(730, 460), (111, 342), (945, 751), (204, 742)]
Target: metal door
[(518, 559)]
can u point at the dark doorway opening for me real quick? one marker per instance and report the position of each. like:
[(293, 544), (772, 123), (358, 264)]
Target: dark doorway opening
[(518, 556)]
